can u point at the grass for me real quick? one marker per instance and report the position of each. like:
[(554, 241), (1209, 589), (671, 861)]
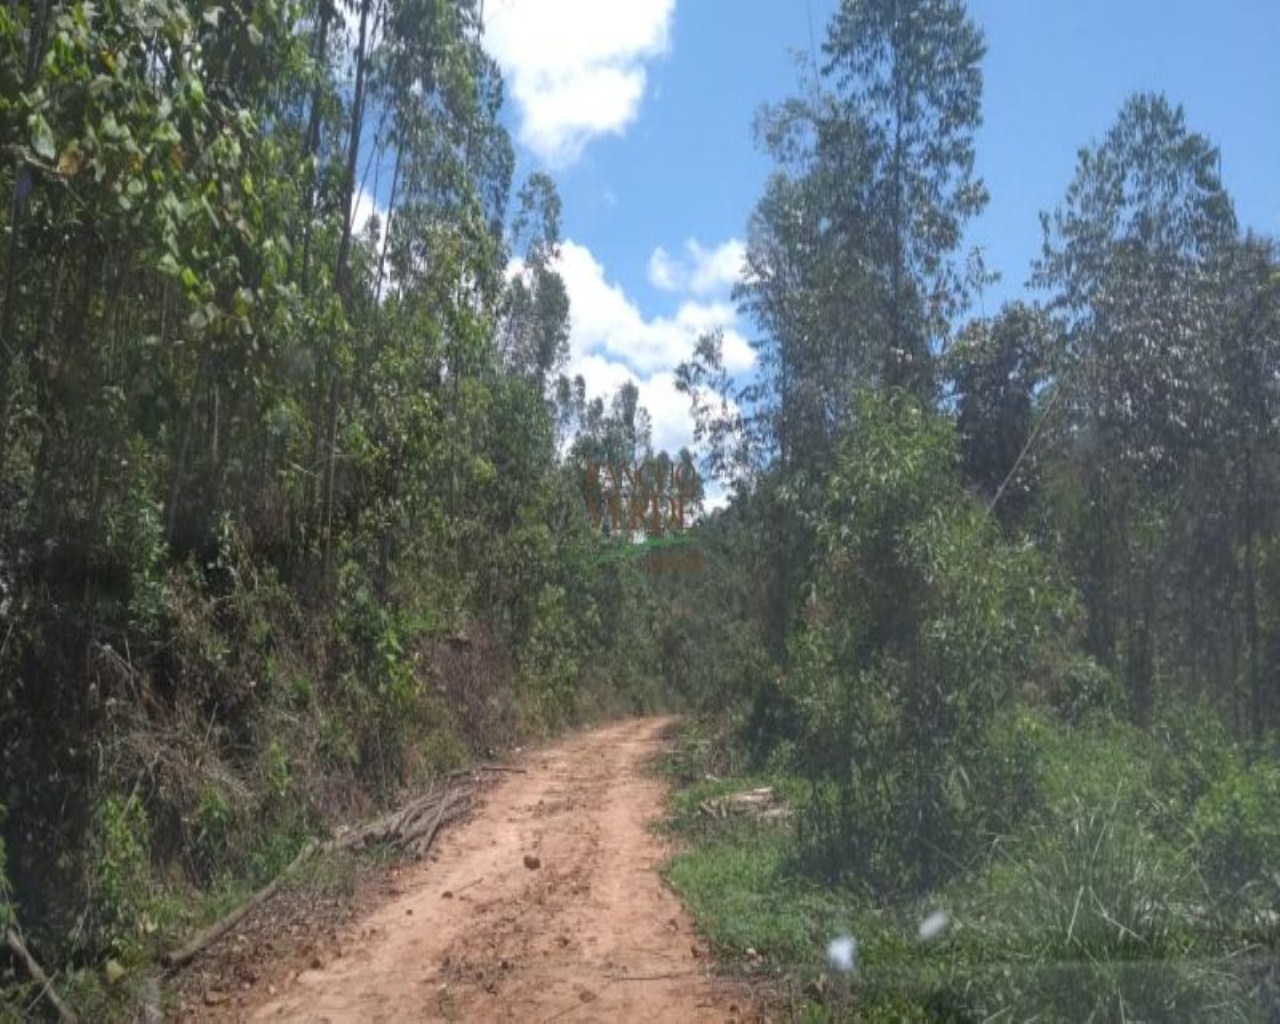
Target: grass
[(740, 890), (1093, 909)]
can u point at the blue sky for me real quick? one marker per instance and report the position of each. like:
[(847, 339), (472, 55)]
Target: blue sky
[(642, 111)]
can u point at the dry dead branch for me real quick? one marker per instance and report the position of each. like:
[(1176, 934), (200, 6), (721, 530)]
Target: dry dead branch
[(412, 828), (19, 949)]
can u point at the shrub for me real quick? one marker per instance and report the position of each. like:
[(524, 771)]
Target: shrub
[(1084, 690), (121, 882), (921, 626), (1192, 752), (1237, 824)]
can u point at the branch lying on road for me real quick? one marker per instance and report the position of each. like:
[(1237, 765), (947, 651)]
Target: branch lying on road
[(410, 828), (180, 957), (487, 768)]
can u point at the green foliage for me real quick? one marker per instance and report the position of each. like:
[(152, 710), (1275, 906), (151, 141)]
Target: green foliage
[(291, 515), (375, 634), (1080, 908), (1097, 914), (1082, 690), (550, 664), (996, 368), (121, 883), (1237, 825), (922, 625), (213, 823)]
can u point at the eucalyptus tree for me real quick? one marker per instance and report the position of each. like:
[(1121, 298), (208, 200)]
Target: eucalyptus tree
[(1126, 259), (535, 325), (1244, 458), (850, 272), (998, 370), (910, 72)]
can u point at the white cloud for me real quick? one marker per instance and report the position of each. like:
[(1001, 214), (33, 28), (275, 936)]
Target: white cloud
[(663, 270), (716, 269), (576, 68), (363, 210), (700, 271), (605, 322), (611, 343)]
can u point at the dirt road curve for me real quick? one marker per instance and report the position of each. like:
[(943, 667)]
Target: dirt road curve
[(588, 934)]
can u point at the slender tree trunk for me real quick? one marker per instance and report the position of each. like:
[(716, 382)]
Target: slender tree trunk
[(386, 236), (896, 368), (311, 148), (312, 145), (1258, 711), (342, 285), (342, 268), (184, 447), (22, 184)]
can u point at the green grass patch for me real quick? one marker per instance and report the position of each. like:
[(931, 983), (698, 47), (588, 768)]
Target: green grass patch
[(1094, 908), (744, 897)]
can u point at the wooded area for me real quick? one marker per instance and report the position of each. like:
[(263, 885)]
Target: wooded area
[(294, 512), (1011, 581), (291, 509)]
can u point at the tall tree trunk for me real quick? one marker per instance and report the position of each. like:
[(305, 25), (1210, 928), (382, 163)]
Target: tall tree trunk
[(386, 231), (896, 370), (22, 184), (342, 285), (1258, 711), (312, 143), (184, 447)]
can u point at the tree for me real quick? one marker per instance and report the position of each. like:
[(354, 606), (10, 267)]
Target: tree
[(850, 273), (1247, 448), (921, 622), (1126, 258), (910, 71), (535, 328), (997, 370)]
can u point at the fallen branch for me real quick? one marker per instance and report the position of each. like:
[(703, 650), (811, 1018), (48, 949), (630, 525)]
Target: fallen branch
[(407, 825), (487, 768), (183, 956), (19, 949), (412, 826), (421, 846)]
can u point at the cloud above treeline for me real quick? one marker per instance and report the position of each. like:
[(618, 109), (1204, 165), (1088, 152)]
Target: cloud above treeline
[(576, 69), (612, 342), (698, 270)]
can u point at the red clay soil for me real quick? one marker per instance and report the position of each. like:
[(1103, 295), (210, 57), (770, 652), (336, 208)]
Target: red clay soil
[(545, 906)]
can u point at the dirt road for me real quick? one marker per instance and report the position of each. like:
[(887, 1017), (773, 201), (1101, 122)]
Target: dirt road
[(545, 906)]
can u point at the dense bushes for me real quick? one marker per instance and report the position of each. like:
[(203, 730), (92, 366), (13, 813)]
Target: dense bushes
[(1237, 826), (920, 628)]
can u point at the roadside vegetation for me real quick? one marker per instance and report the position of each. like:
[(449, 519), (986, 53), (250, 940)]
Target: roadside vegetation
[(299, 510), (1108, 900), (1003, 639)]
